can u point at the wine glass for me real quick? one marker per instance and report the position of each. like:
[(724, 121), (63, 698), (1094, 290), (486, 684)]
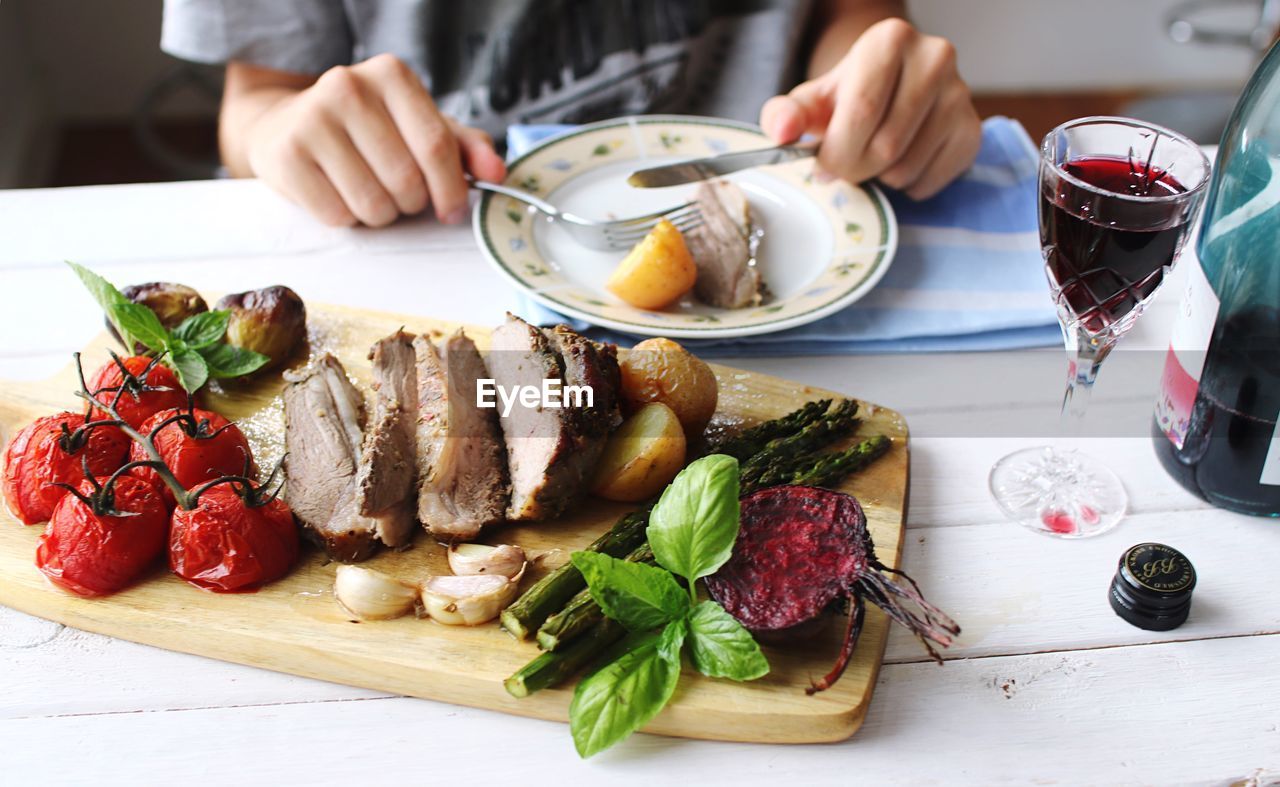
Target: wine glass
[(1117, 199)]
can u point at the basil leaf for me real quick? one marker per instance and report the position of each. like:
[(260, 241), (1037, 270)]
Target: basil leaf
[(695, 523), (621, 696), (191, 369), (142, 323), (226, 360), (639, 596), (106, 294), (721, 647), (203, 329)]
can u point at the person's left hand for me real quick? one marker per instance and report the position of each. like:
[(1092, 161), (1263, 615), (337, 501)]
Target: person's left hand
[(894, 108)]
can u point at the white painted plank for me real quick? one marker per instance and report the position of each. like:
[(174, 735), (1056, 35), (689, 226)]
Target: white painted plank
[(1193, 713)]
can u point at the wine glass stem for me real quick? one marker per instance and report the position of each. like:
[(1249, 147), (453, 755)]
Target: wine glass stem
[(1085, 354)]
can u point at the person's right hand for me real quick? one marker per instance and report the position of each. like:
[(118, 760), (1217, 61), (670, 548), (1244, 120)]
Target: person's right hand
[(366, 143)]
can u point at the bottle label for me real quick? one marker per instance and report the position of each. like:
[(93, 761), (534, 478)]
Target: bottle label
[(1271, 465), (1192, 330)]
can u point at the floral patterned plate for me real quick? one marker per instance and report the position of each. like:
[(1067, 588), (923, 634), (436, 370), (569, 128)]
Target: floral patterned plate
[(824, 245)]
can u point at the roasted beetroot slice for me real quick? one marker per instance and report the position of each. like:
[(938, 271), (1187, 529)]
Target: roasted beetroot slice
[(801, 548)]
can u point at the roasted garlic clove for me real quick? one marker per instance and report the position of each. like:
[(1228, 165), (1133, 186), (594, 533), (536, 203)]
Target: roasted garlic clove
[(468, 600), (469, 559), (373, 595)]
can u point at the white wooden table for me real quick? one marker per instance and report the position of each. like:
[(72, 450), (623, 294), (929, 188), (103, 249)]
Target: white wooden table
[(1045, 685)]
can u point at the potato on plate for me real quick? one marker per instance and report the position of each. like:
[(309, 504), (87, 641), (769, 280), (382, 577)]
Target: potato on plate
[(657, 271), (642, 456), (660, 370)]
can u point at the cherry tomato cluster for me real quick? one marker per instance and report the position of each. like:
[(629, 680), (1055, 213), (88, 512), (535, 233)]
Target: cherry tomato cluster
[(141, 473)]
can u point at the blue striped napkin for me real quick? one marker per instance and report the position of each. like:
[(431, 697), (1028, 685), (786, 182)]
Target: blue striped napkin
[(968, 274)]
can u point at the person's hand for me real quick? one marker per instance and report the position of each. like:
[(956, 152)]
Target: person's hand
[(894, 108), (366, 144)]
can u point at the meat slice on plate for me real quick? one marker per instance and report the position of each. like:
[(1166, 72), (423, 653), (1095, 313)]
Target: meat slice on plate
[(721, 248), (587, 364), (386, 476), (462, 464), (539, 440), (324, 416)]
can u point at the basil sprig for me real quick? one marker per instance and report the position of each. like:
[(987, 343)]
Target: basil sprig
[(691, 530), (194, 350)]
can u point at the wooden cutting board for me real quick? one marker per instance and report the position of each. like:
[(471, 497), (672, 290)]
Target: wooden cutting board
[(295, 626)]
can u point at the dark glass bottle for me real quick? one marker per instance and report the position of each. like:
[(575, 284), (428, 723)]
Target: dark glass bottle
[(1215, 422)]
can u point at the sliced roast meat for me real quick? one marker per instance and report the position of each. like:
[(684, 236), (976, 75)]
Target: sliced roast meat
[(324, 415), (587, 365), (462, 464), (539, 440), (721, 247), (385, 478)]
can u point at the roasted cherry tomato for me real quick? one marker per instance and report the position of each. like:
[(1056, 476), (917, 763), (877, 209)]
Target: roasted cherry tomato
[(226, 545), (42, 455), (144, 396), (196, 449), (93, 554)]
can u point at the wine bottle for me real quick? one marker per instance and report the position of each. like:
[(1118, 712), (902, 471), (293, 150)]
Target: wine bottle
[(1215, 419)]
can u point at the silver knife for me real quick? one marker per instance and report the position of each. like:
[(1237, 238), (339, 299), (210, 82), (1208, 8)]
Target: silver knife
[(695, 170)]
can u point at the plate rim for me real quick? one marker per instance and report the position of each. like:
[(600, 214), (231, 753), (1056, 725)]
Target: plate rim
[(884, 258)]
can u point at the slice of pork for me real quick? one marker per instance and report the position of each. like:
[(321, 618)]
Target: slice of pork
[(588, 365), (539, 440), (721, 247), (385, 478), (462, 464), (324, 415)]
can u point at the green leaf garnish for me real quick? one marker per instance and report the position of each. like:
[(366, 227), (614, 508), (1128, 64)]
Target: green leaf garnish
[(621, 696), (204, 329), (141, 323), (694, 524), (226, 360), (639, 596), (720, 647), (191, 369)]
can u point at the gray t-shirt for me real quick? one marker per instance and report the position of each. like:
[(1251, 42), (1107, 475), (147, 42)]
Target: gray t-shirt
[(492, 63)]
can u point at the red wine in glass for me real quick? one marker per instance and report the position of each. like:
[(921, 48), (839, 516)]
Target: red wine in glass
[(1117, 199), (1101, 268)]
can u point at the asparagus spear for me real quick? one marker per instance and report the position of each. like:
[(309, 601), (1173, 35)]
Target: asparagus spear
[(840, 465), (581, 612), (750, 441), (830, 426), (552, 668), (822, 470), (553, 591)]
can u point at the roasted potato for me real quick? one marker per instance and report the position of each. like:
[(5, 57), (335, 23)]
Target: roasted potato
[(271, 321), (172, 303), (642, 456), (657, 271), (660, 370)]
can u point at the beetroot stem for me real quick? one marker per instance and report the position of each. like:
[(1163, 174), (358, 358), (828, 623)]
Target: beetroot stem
[(857, 615)]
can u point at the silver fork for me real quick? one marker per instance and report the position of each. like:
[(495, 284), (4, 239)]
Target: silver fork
[(613, 235)]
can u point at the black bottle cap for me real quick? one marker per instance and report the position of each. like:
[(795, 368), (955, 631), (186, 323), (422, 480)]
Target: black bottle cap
[(1152, 587)]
